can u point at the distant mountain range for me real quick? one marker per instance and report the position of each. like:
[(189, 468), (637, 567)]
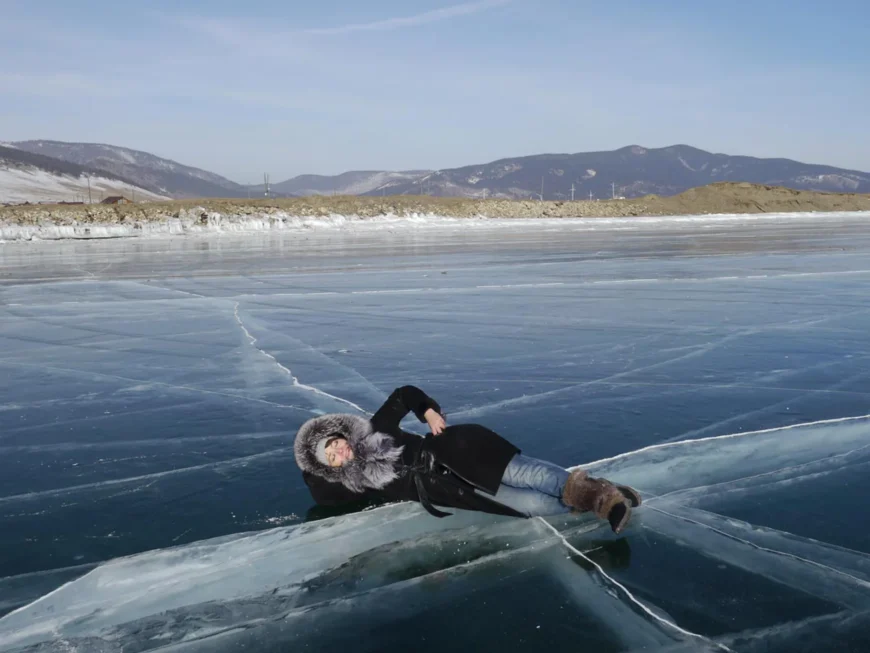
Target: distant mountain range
[(348, 183), (158, 175), (627, 172), (29, 177), (631, 171)]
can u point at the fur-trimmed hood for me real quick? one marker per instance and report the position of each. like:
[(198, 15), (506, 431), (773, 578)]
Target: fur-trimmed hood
[(375, 454)]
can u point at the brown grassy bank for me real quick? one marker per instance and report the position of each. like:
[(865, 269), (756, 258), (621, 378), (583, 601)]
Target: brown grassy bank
[(716, 198)]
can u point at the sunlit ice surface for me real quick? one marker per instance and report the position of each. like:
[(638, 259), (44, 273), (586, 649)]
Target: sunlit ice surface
[(151, 389)]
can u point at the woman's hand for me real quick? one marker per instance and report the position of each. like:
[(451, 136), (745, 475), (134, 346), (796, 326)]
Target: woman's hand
[(436, 422)]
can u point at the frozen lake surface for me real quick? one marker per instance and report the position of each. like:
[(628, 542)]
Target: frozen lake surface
[(151, 388)]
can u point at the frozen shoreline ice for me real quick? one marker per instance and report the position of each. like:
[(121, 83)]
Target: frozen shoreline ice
[(190, 224)]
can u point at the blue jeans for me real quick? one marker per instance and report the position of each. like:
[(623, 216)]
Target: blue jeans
[(533, 487)]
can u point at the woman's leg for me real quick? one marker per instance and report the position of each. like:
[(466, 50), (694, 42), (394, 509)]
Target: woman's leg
[(531, 503), (533, 487), (537, 488), (524, 472)]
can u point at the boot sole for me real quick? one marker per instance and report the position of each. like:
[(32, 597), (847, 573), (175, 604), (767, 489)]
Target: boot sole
[(631, 494), (618, 527)]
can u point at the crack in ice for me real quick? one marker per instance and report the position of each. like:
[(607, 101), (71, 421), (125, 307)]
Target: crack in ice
[(698, 491), (664, 445), (625, 590), (699, 350), (131, 479), (163, 384), (861, 582), (178, 290), (253, 342), (774, 406)]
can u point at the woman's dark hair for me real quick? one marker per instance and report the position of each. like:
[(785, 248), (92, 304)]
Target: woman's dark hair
[(332, 438)]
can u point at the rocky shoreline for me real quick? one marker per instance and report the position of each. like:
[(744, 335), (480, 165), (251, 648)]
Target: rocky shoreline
[(720, 198)]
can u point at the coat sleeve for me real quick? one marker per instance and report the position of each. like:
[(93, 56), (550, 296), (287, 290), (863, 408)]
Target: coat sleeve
[(327, 493), (404, 400)]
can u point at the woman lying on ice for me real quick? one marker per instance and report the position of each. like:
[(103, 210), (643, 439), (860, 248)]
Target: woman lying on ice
[(346, 458)]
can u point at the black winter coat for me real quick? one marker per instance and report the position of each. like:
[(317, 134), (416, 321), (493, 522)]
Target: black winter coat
[(466, 457)]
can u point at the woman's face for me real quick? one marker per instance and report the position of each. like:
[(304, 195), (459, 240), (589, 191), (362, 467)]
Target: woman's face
[(338, 452)]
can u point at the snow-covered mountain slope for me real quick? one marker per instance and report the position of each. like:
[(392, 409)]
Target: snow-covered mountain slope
[(27, 177), (349, 183), (159, 175)]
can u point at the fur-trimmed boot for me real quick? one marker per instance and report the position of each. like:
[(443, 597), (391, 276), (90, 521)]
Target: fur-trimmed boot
[(586, 494)]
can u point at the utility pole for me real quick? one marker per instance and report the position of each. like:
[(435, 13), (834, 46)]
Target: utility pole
[(266, 184), (542, 189), (90, 201), (572, 192), (613, 186)]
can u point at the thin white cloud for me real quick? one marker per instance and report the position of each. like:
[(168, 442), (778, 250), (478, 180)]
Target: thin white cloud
[(53, 84), (425, 18)]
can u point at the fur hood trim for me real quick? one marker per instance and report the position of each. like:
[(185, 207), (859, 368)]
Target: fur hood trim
[(375, 454)]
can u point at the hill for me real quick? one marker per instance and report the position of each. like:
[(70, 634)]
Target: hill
[(357, 182), (28, 177), (158, 175), (629, 172)]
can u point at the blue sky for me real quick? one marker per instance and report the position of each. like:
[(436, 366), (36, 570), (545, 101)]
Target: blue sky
[(293, 87)]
